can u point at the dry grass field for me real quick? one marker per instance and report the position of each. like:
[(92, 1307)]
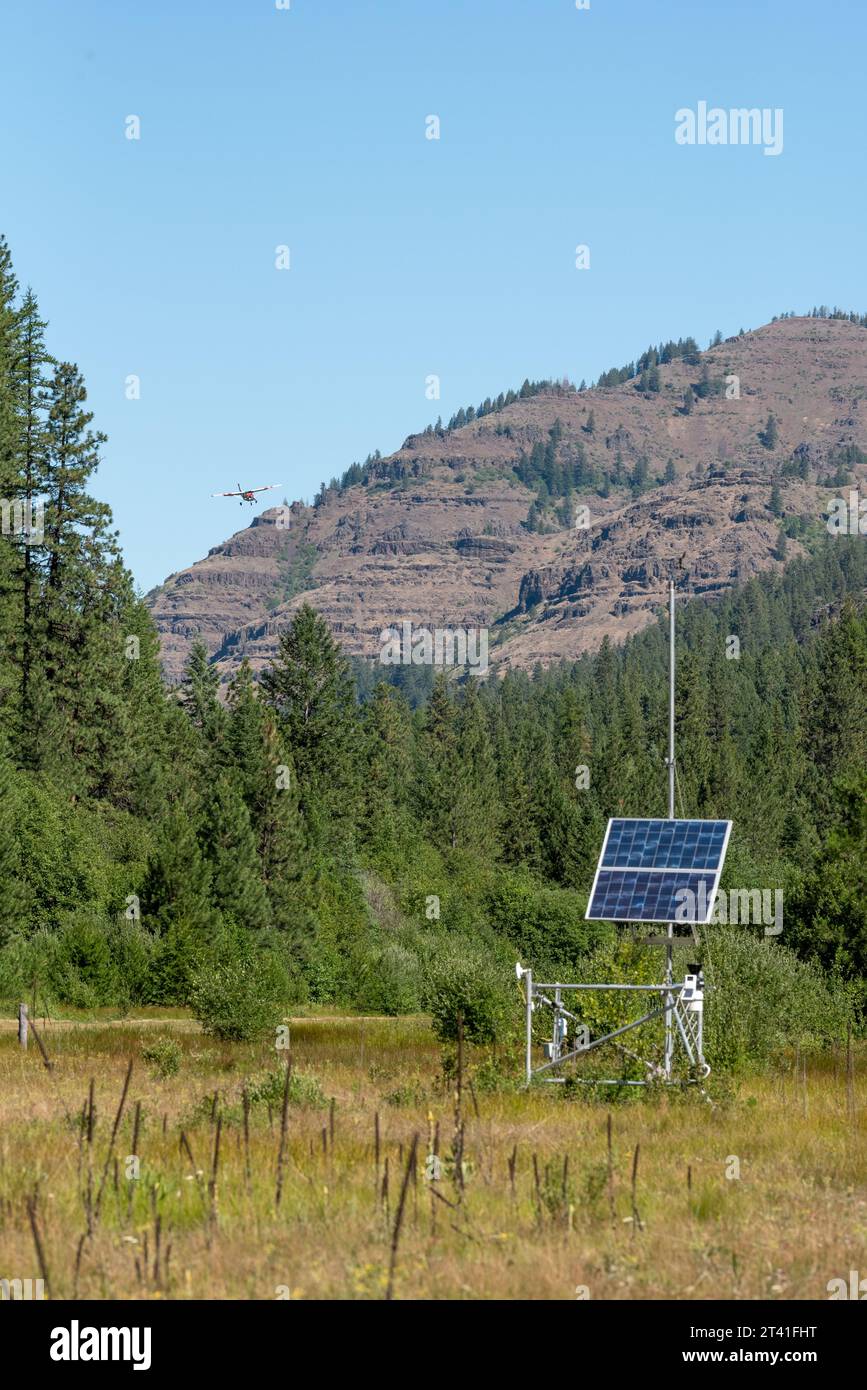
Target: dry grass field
[(231, 1203)]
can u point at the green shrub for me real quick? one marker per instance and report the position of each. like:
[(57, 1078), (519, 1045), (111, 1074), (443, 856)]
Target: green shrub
[(388, 981), (465, 983), (459, 881), (76, 857), (16, 958), (763, 998), (545, 925), (78, 965), (491, 1076), (177, 953), (163, 1055), (239, 1000), (410, 1092), (132, 953), (87, 962), (269, 1089), (618, 962)]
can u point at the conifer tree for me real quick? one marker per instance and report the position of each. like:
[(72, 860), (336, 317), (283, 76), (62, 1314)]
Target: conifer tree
[(85, 593), (309, 686), (242, 747), (200, 694), (177, 880), (176, 906), (770, 434), (29, 398), (475, 811), (516, 758), (695, 755), (828, 910), (638, 481), (439, 757), (268, 783), (10, 480), (135, 774), (387, 780), (15, 895), (837, 714), (571, 832), (229, 846)]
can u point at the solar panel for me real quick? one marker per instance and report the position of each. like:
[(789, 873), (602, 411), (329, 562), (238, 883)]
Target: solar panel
[(658, 870)]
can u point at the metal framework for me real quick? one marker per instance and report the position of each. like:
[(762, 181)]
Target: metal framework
[(679, 1003), (682, 1008)]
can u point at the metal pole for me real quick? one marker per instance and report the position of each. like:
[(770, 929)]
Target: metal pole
[(669, 971), (528, 981), (700, 1029), (671, 699)]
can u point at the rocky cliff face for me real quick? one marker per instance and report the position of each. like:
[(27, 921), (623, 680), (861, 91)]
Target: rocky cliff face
[(437, 536)]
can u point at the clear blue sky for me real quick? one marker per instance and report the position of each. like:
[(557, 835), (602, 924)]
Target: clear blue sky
[(409, 256)]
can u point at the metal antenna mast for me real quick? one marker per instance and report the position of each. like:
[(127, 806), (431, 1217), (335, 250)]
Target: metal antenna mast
[(669, 967), (671, 699)]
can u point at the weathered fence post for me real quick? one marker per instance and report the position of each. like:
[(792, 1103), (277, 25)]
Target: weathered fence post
[(22, 1024)]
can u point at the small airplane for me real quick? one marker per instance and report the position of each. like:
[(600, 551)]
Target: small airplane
[(247, 494)]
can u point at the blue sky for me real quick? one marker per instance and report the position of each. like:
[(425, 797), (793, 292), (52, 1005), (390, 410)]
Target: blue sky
[(306, 127)]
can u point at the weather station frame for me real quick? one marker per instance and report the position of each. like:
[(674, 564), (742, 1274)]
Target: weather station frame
[(680, 1003)]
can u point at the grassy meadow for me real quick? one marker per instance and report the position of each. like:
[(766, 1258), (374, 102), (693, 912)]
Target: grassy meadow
[(759, 1191)]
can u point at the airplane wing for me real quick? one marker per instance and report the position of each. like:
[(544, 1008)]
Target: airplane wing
[(245, 491)]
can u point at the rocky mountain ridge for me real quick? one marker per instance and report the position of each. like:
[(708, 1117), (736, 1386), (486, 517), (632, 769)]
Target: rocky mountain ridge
[(679, 474)]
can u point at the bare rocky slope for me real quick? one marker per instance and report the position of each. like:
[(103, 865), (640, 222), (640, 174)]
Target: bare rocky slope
[(436, 534)]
